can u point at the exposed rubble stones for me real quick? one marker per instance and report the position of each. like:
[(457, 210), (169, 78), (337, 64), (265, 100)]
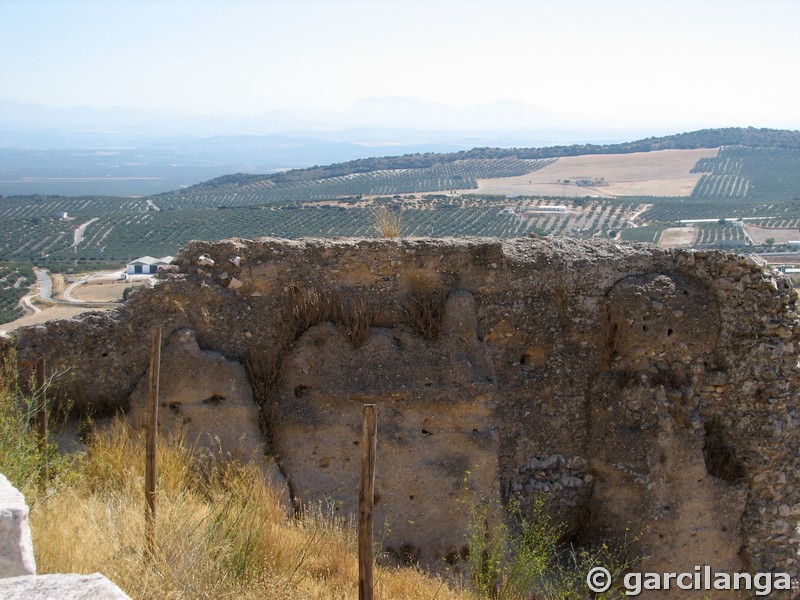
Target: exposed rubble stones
[(204, 260), (552, 474), (654, 390)]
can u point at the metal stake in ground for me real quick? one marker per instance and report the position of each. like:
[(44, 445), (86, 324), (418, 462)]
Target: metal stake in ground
[(152, 424), (366, 500)]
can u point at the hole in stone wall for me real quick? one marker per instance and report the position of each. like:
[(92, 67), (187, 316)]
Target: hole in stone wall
[(669, 332), (671, 378), (720, 457), (584, 526), (214, 400), (644, 327)]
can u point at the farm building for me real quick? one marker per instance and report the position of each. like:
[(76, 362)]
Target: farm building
[(545, 208), (147, 265)]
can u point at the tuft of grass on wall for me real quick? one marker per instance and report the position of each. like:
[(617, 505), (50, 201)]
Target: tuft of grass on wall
[(388, 223), (424, 308)]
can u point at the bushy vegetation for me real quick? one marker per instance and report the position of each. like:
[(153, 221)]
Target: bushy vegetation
[(750, 172), (670, 210), (15, 278), (121, 237), (648, 233), (721, 235), (527, 558)]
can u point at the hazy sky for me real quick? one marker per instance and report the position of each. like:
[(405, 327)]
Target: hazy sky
[(612, 62)]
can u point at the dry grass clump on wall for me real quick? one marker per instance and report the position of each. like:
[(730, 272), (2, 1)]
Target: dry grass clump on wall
[(388, 222), (424, 307)]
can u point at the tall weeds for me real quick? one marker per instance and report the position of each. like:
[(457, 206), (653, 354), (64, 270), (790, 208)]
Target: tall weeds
[(22, 454), (527, 559), (221, 531)]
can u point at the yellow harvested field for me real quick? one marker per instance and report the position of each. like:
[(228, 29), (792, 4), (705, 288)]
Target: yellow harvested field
[(660, 173), (781, 235), (677, 237), (105, 292), (59, 311)]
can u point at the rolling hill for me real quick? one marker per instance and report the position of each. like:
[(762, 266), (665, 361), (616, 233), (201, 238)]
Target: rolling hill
[(754, 173)]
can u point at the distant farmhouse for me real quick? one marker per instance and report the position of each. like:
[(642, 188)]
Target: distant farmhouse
[(147, 265)]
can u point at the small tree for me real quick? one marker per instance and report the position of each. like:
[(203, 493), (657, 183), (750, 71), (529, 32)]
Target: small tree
[(769, 241)]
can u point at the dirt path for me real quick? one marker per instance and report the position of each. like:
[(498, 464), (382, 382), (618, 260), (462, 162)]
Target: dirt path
[(81, 229), (26, 302)]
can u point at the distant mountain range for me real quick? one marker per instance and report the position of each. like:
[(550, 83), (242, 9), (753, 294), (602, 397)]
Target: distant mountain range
[(373, 113), (127, 151)]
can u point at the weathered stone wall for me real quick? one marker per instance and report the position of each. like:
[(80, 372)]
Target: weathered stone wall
[(637, 388)]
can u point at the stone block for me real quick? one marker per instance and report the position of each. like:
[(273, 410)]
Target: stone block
[(16, 547)]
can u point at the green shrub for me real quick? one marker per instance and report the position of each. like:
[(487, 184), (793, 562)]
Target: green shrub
[(528, 559)]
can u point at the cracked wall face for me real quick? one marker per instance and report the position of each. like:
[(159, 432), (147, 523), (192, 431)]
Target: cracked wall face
[(636, 389)]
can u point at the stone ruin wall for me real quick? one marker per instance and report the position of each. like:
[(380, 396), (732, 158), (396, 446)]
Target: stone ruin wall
[(633, 387)]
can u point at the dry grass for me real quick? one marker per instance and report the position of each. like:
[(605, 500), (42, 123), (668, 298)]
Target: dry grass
[(305, 307), (220, 533), (388, 222), (301, 309), (357, 316), (424, 308)]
